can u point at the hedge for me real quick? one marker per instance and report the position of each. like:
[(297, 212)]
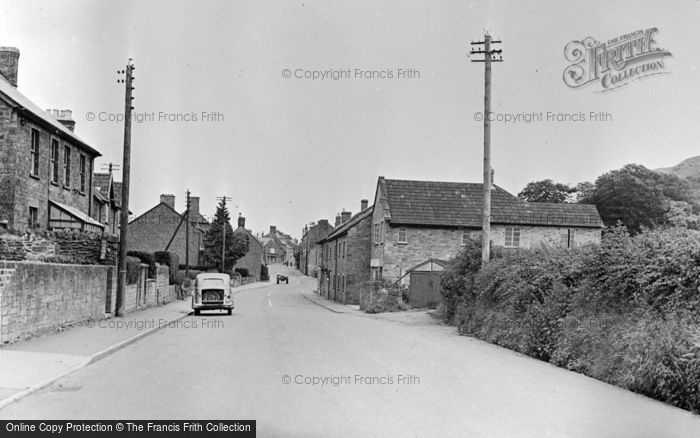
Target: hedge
[(147, 258), (133, 269), (626, 311), (243, 271)]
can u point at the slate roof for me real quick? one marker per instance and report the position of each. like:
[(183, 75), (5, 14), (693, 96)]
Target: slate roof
[(450, 204), (342, 229), (18, 99), (101, 182)]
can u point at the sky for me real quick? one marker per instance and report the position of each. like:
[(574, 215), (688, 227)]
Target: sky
[(292, 150)]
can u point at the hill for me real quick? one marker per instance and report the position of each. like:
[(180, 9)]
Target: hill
[(689, 168)]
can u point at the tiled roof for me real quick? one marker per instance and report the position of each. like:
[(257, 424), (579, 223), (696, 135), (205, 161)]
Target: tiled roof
[(349, 224), (101, 182), (450, 204), (21, 100)]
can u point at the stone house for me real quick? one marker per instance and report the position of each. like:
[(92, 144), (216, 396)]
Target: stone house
[(253, 259), (345, 258), (45, 169), (154, 229), (278, 247), (415, 221), (309, 250), (107, 201)]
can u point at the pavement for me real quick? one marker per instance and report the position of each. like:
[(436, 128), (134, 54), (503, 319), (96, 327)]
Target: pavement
[(302, 370), (29, 366)]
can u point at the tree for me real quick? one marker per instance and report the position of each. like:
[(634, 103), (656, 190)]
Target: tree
[(583, 192), (545, 191), (680, 214), (236, 244), (633, 195)]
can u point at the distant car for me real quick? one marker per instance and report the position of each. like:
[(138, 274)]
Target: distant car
[(212, 291)]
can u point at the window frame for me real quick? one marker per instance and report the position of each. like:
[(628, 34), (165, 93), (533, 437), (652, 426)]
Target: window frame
[(512, 231), (82, 168), (401, 230), (35, 142), (55, 157), (66, 165)]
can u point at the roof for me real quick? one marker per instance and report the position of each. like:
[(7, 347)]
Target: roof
[(197, 218), (101, 182), (77, 213), (342, 229), (450, 204), (20, 100)]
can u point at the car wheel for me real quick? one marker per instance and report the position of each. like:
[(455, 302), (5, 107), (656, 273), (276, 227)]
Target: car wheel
[(230, 311), (196, 312)]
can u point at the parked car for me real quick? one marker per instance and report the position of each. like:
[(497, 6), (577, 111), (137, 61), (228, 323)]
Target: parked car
[(212, 291)]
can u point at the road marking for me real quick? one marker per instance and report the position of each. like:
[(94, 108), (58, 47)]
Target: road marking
[(269, 299)]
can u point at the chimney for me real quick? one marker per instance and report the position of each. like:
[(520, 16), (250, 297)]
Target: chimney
[(168, 199), (194, 204), (241, 222), (9, 61), (65, 117), (363, 204), (323, 222), (345, 216), (273, 229), (337, 220)]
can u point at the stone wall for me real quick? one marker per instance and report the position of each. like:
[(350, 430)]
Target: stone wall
[(67, 247), (37, 298), (444, 243)]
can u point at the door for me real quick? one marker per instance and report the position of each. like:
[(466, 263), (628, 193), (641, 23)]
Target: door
[(424, 289)]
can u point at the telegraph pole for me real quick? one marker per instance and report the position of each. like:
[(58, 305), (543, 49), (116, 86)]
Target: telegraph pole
[(126, 168), (490, 55), (223, 230), (187, 235)]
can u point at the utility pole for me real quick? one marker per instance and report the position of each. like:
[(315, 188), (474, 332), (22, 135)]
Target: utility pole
[(490, 55), (187, 235), (126, 167), (223, 230)]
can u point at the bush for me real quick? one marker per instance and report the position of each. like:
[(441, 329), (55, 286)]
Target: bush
[(202, 268), (625, 312), (147, 258), (133, 269), (458, 278), (242, 271), (264, 274), (171, 260)]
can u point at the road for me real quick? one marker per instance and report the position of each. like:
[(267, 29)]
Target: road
[(384, 378)]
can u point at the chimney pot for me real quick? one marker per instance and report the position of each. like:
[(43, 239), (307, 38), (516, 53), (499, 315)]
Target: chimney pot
[(241, 222), (9, 64), (273, 229), (337, 220), (363, 204), (168, 199)]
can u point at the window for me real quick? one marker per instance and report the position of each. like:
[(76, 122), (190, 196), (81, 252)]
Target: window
[(377, 231), (54, 161), (465, 237), (567, 238), (33, 217), (377, 273), (66, 166), (512, 237), (83, 172), (403, 235), (35, 153)]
